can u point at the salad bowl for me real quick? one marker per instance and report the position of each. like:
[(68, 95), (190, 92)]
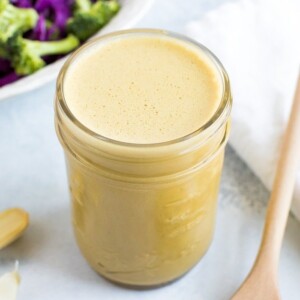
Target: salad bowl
[(130, 13)]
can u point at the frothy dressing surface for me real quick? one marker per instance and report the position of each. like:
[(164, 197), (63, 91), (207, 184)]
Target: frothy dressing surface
[(142, 89)]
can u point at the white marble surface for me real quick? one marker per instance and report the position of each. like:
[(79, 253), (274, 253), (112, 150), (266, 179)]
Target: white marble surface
[(32, 175)]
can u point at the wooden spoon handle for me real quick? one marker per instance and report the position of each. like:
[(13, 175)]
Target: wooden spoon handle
[(282, 192)]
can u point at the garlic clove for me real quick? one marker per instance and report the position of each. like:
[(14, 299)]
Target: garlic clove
[(9, 284), (13, 223)]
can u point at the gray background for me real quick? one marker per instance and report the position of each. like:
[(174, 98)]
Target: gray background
[(32, 175)]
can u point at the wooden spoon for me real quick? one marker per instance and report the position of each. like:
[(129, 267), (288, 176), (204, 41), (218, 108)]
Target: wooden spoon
[(262, 283)]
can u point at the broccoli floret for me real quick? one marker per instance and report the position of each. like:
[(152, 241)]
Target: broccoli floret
[(3, 52), (26, 55), (3, 4), (90, 17), (14, 20), (82, 5)]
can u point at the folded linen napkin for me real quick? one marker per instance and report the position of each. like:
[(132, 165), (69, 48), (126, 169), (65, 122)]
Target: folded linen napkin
[(258, 41)]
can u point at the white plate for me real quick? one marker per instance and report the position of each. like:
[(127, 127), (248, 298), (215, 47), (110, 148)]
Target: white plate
[(130, 13)]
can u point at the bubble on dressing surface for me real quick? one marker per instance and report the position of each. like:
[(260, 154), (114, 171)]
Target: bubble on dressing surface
[(143, 89)]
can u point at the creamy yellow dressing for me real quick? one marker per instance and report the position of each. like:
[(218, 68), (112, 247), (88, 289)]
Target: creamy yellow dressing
[(143, 89)]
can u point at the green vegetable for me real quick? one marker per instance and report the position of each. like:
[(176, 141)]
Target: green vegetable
[(14, 20), (82, 5), (26, 55), (3, 4), (90, 17)]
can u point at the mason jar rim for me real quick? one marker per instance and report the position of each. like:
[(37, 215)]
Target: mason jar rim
[(221, 114)]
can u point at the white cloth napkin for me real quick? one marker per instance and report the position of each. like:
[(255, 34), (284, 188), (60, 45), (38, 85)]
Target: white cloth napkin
[(258, 41)]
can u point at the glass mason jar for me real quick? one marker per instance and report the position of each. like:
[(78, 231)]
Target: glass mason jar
[(143, 214)]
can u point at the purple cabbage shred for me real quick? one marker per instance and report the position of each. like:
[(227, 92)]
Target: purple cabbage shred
[(8, 78), (4, 66), (22, 3), (40, 31), (59, 10)]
